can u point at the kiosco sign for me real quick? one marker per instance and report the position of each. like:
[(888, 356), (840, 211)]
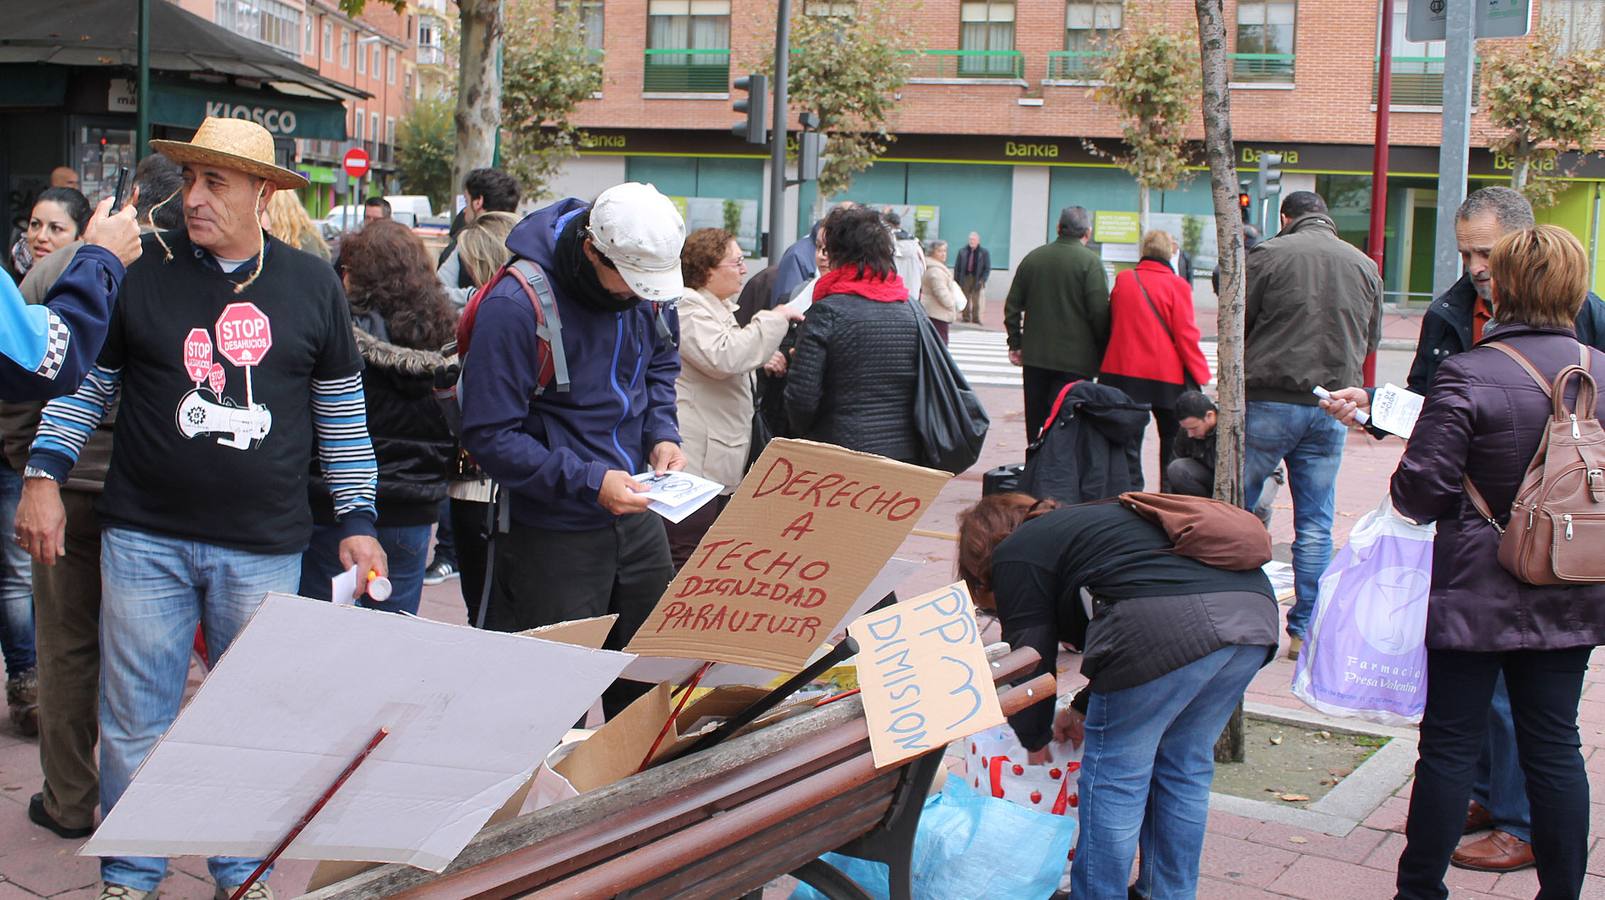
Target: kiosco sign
[(278, 121)]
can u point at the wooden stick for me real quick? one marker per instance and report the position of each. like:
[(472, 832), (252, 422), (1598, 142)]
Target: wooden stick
[(317, 807), (939, 535)]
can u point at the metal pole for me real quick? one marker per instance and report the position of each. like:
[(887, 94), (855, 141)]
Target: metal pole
[(777, 131), (1459, 50), (1376, 240), (142, 97)]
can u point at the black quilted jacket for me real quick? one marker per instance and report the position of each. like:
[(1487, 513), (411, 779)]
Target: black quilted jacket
[(851, 380)]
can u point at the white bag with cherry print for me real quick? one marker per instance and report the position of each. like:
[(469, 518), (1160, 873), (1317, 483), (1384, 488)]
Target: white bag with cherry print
[(997, 766)]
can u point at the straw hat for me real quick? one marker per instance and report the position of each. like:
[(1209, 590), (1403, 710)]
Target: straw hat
[(238, 144)]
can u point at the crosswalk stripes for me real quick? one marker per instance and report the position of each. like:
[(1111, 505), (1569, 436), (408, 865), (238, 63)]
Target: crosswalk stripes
[(983, 356)]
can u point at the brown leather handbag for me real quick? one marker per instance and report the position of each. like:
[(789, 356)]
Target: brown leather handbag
[(1556, 533), (1214, 533)]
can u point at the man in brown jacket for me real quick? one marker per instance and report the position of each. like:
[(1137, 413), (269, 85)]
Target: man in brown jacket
[(1314, 312)]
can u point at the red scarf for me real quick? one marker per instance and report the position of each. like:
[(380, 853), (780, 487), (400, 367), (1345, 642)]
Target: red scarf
[(845, 280)]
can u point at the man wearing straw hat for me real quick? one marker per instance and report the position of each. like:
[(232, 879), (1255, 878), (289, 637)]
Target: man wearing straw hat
[(234, 354)]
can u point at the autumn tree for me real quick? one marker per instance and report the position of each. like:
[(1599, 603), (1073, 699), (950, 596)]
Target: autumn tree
[(1544, 102), (425, 141), (846, 66), (1217, 107), (1150, 77), (547, 73), (479, 86)]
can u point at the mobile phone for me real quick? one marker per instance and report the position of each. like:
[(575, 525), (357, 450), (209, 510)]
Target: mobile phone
[(120, 196)]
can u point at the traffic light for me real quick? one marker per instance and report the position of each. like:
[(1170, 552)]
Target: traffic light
[(1269, 180), (753, 131), (1245, 202), (810, 155)]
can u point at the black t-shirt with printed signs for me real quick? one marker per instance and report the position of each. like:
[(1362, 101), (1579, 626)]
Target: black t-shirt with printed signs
[(215, 443)]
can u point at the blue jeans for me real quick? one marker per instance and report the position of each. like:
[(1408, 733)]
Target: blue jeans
[(1500, 787), (1145, 775), (154, 591), (16, 584), (1311, 442), (406, 550)]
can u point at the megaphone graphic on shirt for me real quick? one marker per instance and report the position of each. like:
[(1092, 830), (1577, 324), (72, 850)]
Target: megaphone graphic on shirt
[(235, 427)]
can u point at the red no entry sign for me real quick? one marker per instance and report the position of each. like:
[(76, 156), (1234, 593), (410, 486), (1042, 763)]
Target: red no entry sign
[(356, 162), (243, 334)]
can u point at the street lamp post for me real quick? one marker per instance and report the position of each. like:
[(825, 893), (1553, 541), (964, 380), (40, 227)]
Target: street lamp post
[(777, 133)]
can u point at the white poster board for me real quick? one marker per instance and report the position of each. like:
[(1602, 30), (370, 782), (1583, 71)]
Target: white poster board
[(302, 690)]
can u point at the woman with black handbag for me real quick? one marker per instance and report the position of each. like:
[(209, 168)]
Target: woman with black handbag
[(1153, 354)]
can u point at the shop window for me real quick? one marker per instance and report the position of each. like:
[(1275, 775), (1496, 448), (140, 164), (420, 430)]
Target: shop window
[(1089, 26), (1265, 31), (986, 38), (1580, 24), (677, 27)]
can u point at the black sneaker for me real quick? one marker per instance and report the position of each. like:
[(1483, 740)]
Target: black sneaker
[(439, 571)]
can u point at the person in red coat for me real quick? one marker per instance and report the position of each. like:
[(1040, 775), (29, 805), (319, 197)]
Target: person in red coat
[(1153, 352)]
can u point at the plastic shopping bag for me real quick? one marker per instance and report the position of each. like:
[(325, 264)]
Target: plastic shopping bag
[(1365, 656), (997, 766), (971, 845)]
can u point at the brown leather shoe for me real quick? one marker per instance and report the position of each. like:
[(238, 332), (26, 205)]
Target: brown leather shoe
[(1498, 852), (1478, 818)]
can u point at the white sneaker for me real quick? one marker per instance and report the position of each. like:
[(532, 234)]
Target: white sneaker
[(258, 891), (123, 892)]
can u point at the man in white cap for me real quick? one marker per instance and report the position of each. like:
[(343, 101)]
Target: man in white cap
[(581, 542), (234, 356)]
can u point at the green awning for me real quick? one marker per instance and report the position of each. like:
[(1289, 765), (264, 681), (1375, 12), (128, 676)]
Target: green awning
[(184, 105)]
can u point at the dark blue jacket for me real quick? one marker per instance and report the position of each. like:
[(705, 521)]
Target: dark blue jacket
[(1446, 330), (552, 450), (45, 351)]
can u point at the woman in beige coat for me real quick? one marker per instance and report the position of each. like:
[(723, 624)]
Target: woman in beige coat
[(941, 297), (717, 360)]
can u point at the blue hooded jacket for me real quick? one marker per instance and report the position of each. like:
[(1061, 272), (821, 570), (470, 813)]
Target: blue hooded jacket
[(45, 351), (551, 451)]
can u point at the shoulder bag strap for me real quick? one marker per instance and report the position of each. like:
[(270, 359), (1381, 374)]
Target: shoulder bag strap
[(1152, 307)]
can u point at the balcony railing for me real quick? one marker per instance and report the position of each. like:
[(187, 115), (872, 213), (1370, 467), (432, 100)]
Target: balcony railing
[(1418, 81), (431, 56), (687, 70), (1076, 65), (946, 64), (1262, 68)]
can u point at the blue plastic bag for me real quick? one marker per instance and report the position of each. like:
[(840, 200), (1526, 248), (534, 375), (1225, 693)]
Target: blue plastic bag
[(1366, 654), (969, 845)]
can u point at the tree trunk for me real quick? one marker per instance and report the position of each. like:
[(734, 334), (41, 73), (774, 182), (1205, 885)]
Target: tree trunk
[(1144, 203), (1229, 239), (479, 88), (1518, 175)]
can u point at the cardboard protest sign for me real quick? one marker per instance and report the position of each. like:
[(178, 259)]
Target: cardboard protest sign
[(923, 674), (261, 741), (804, 535)]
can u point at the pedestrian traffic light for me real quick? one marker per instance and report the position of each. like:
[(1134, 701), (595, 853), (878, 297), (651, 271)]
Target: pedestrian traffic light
[(1245, 202), (753, 131), (1270, 175)]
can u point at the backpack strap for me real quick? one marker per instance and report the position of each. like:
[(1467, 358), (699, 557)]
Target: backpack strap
[(548, 323), (1526, 364), (1480, 504)]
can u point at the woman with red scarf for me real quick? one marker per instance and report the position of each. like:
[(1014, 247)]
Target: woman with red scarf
[(851, 380)]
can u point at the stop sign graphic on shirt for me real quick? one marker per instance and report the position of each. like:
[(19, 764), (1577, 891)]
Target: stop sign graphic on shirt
[(198, 354), (244, 334)]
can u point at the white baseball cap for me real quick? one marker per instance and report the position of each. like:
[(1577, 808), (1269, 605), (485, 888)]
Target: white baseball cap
[(641, 232)]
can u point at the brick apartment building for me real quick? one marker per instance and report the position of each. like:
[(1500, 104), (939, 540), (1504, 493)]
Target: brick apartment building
[(991, 128)]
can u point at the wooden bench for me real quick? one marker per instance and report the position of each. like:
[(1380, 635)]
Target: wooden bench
[(721, 823)]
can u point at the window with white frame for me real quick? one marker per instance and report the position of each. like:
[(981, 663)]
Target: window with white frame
[(345, 48), (688, 24), (362, 124), (986, 28), (373, 121), (390, 130), (841, 8), (390, 66), (1089, 24), (306, 35), (270, 22), (1265, 40), (1417, 67), (362, 59), (328, 41), (377, 67), (1580, 24)]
